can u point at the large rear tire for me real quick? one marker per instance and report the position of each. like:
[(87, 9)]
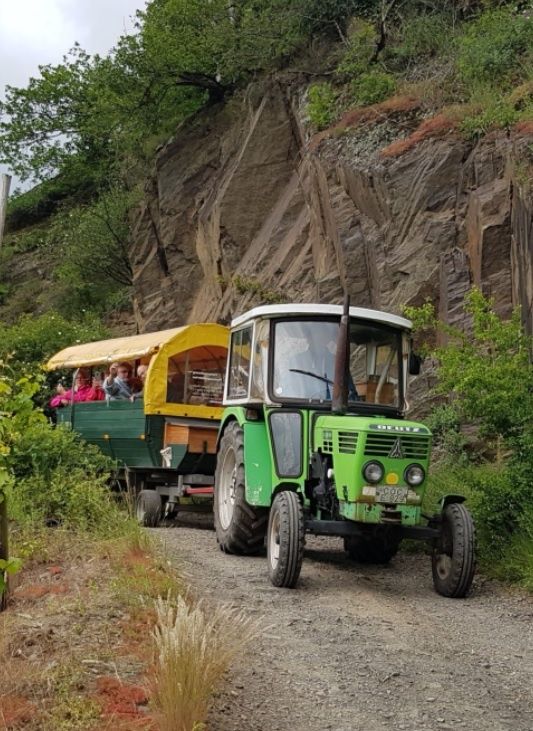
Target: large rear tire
[(149, 508), (240, 527), (453, 560), (285, 540), (378, 547)]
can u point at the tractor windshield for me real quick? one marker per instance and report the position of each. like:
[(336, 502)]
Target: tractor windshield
[(304, 361)]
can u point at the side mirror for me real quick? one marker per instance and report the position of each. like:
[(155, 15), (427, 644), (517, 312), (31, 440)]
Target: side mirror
[(415, 364)]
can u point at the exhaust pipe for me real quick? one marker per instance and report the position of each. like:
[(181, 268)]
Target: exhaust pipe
[(339, 402)]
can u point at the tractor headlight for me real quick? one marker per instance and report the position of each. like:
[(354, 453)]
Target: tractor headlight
[(414, 475), (373, 471)]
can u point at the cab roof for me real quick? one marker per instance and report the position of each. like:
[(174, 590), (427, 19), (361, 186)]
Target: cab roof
[(281, 311)]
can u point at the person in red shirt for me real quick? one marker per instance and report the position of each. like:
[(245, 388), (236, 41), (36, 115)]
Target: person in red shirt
[(83, 391)]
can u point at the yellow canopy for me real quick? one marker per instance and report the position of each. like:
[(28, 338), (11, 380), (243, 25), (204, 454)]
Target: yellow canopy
[(161, 345)]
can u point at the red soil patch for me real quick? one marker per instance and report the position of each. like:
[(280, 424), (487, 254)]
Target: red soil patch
[(32, 592), (15, 711), (361, 115), (137, 557), (524, 128), (121, 701), (135, 632), (434, 127), (55, 570), (60, 589)]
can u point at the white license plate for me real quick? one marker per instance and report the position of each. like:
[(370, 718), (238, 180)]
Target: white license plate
[(388, 494)]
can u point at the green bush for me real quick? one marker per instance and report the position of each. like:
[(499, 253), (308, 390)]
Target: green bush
[(499, 114), (497, 46), (32, 340), (360, 49), (322, 105), (372, 87), (50, 476), (421, 37), (488, 373)]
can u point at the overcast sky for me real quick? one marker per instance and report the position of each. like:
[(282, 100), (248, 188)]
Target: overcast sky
[(37, 32)]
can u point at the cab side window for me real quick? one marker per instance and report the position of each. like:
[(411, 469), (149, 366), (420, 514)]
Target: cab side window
[(239, 367)]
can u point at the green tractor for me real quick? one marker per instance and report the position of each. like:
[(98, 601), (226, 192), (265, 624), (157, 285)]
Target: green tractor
[(313, 440)]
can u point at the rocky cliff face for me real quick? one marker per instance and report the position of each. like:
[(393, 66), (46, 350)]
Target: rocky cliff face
[(245, 207)]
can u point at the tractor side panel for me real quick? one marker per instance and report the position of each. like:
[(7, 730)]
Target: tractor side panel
[(258, 463)]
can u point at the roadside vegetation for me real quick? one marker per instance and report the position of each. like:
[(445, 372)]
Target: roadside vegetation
[(93, 605), (483, 431)]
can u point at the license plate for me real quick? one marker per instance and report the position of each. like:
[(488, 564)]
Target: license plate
[(388, 494)]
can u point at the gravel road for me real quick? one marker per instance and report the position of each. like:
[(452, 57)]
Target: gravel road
[(370, 648)]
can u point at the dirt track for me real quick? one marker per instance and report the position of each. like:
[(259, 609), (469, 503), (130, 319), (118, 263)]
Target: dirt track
[(365, 648)]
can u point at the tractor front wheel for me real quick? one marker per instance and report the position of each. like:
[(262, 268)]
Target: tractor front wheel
[(373, 548), (285, 540), (240, 527), (453, 559)]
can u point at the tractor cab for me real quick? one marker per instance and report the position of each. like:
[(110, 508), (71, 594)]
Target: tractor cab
[(314, 440)]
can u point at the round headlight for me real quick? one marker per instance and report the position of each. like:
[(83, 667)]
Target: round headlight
[(373, 471), (414, 475)]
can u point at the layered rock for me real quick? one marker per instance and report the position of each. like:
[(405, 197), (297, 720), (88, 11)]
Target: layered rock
[(242, 209)]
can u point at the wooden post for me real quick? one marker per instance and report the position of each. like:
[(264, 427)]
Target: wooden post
[(4, 546), (5, 182)]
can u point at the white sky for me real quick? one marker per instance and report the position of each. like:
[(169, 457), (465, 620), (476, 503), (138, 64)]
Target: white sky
[(39, 32)]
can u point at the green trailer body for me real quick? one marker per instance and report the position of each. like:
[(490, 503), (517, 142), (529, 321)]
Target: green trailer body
[(120, 429)]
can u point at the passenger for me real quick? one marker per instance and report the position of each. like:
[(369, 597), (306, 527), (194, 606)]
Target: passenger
[(83, 391), (137, 383), (117, 385)]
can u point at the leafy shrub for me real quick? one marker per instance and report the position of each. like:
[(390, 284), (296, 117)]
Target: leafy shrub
[(32, 340), (361, 47), (499, 115), (372, 87), (321, 105), (421, 36), (488, 372), (445, 425), (495, 46), (53, 477)]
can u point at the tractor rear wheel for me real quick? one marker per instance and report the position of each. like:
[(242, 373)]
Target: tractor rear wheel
[(373, 548), (148, 508), (285, 539), (240, 527), (453, 560)]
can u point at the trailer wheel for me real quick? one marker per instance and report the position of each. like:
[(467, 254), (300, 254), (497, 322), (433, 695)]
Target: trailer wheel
[(285, 539), (453, 559), (148, 508), (240, 527), (375, 548)]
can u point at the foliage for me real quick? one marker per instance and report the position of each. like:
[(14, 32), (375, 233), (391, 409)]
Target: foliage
[(495, 47), (420, 36), (32, 340), (321, 106), (50, 476), (360, 48), (91, 245), (372, 87), (98, 109), (495, 112), (487, 374)]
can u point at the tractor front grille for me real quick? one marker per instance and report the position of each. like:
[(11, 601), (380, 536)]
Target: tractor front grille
[(348, 442), (400, 446)]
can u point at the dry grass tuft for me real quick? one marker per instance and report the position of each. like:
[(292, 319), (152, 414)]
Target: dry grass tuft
[(400, 104), (434, 127), (194, 648)]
